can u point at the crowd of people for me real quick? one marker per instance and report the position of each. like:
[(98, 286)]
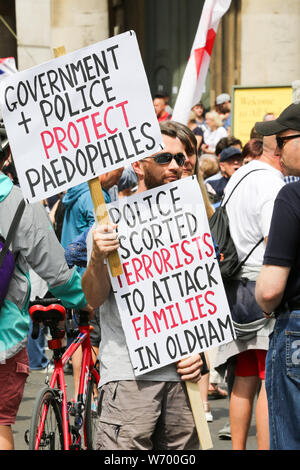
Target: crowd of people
[(143, 412)]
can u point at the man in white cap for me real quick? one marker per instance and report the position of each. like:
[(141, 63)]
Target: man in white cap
[(223, 107), (278, 288)]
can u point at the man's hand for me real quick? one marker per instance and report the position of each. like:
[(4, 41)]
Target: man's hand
[(190, 368), (95, 280), (105, 240), (90, 310)]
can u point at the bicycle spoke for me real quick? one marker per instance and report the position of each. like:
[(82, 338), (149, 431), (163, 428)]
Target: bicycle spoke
[(46, 431)]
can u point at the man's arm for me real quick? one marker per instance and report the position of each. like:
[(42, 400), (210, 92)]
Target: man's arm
[(270, 286), (95, 281)]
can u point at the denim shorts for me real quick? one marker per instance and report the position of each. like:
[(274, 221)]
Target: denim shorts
[(283, 382)]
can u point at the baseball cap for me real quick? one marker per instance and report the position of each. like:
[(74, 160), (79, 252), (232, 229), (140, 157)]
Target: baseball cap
[(229, 152), (288, 119), (223, 98)]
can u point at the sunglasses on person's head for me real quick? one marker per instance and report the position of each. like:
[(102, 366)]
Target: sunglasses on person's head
[(166, 157), (281, 140)]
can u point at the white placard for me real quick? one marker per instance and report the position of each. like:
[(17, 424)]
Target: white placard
[(78, 116), (170, 296)]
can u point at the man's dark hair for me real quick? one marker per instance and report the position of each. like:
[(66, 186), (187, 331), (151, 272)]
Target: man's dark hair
[(227, 142), (10, 170), (160, 96), (4, 146), (183, 133)]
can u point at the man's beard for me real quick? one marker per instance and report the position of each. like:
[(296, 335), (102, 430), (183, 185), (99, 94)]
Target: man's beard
[(149, 181), (287, 170)]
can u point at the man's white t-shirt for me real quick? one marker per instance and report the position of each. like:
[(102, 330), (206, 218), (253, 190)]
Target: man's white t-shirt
[(250, 211)]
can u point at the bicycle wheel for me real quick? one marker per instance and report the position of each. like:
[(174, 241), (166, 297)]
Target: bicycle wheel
[(46, 427), (91, 413)]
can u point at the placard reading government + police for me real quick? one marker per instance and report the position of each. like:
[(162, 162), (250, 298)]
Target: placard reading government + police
[(78, 116)]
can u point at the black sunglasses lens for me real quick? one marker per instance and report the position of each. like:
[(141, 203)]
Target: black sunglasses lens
[(163, 158), (180, 159), (279, 142)]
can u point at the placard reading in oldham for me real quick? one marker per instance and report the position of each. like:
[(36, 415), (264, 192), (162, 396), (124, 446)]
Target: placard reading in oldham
[(79, 116), (170, 296)]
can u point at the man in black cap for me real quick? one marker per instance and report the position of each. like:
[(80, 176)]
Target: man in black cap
[(230, 160), (278, 288), (249, 198)]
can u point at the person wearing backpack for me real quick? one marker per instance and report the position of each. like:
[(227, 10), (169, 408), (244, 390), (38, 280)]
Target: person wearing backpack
[(33, 244), (249, 199)]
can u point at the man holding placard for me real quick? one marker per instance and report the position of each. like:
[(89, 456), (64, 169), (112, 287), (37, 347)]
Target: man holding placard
[(77, 119), (131, 406), (167, 306)]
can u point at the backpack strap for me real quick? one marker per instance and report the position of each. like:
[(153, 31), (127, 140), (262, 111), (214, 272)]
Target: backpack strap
[(12, 230), (247, 256), (258, 169), (259, 241)]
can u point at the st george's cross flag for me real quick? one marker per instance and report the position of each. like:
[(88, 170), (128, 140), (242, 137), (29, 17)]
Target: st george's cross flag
[(193, 82)]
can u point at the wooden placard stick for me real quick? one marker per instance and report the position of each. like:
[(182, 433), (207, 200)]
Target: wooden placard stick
[(199, 415), (102, 216), (99, 202)]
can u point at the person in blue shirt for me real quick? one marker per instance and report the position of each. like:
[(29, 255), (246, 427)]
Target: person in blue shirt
[(79, 212)]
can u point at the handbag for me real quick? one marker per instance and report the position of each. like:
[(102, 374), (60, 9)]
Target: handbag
[(7, 257)]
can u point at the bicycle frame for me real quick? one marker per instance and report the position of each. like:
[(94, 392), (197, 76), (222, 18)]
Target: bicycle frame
[(57, 381)]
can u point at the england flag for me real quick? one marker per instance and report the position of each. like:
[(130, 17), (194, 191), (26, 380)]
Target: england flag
[(194, 77)]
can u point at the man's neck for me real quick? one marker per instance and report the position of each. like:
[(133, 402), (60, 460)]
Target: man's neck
[(271, 160)]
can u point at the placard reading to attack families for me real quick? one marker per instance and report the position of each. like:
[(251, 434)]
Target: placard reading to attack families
[(170, 296), (79, 116)]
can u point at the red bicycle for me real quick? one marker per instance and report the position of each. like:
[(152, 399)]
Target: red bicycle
[(59, 424)]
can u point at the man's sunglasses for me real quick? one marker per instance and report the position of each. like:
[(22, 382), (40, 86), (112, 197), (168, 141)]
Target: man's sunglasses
[(166, 157), (281, 140)]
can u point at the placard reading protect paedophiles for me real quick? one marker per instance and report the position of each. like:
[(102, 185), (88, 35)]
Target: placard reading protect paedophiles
[(78, 116), (170, 296)]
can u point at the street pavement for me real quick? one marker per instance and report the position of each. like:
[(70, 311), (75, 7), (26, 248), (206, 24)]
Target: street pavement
[(36, 381)]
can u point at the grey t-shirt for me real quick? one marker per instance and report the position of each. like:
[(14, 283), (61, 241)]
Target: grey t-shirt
[(113, 353)]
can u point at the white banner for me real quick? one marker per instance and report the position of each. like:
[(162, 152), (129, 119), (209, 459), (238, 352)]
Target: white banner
[(78, 116), (170, 296)]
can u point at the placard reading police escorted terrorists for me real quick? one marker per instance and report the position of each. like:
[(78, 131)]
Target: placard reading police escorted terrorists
[(170, 296), (78, 116)]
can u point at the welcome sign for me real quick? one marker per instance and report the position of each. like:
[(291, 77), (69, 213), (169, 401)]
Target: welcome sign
[(78, 116)]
